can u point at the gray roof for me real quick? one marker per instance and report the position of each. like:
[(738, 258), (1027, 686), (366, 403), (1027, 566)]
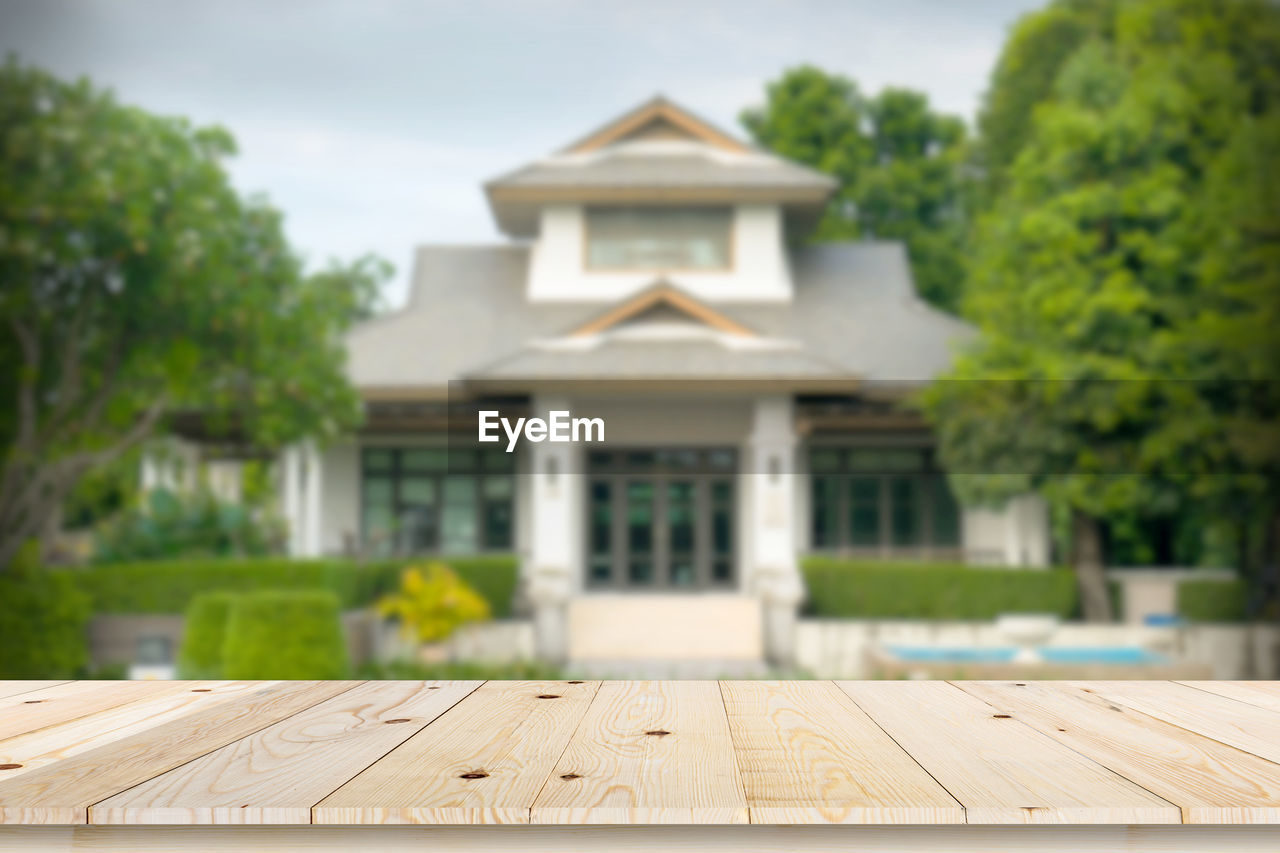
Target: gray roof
[(854, 315), (686, 170)]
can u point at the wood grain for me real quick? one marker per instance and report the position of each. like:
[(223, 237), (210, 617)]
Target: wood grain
[(13, 688), (62, 792), (1210, 781), (808, 754), (37, 709), (277, 774), (1231, 721), (482, 762), (999, 769), (45, 746), (648, 752), (1264, 694)]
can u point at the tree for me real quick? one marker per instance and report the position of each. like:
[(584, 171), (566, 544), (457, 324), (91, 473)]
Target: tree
[(1125, 282), (900, 167), (135, 283)]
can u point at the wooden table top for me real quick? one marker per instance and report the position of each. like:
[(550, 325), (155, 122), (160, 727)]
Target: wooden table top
[(639, 752)]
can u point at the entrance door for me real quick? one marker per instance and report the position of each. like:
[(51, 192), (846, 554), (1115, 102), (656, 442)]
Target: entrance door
[(660, 519)]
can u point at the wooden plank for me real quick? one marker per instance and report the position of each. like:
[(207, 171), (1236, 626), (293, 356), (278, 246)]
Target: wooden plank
[(13, 688), (33, 750), (642, 839), (1000, 770), (648, 752), (277, 774), (50, 706), (1231, 721), (483, 761), (807, 754), (1210, 781), (1264, 694), (62, 792)]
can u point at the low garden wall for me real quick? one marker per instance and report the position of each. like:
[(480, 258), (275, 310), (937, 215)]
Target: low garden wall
[(843, 648)]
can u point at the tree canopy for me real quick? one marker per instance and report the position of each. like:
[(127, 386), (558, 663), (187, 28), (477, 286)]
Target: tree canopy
[(135, 283), (899, 163), (1125, 277)]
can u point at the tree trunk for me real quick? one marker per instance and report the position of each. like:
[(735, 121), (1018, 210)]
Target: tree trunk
[(1086, 547)]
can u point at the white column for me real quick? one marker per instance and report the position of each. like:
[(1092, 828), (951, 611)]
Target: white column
[(291, 462), (555, 546), (772, 565), (314, 484)]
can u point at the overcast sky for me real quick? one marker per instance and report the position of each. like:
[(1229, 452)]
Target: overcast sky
[(373, 123)]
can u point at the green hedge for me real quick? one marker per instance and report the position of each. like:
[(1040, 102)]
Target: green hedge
[(864, 589), (44, 621), (204, 634), (1213, 601), (168, 586), (285, 634)]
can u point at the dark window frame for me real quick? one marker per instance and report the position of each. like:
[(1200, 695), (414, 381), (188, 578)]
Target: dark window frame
[(479, 471)]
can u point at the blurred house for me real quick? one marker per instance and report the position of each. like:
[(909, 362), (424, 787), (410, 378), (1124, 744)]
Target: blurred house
[(750, 387)]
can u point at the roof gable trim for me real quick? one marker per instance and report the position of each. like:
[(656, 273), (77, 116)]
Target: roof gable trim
[(662, 113), (662, 294)]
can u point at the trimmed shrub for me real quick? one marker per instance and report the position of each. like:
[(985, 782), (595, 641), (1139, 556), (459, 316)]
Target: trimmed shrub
[(168, 586), (1214, 601), (285, 634), (862, 589), (204, 634), (44, 620)]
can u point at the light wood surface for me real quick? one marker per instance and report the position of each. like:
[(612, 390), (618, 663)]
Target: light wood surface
[(807, 754), (1210, 781), (484, 763), (910, 754), (999, 770), (647, 752)]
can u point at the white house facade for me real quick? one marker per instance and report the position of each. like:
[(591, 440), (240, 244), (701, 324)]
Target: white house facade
[(750, 388)]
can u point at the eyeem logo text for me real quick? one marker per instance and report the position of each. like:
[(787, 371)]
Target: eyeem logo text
[(559, 428)]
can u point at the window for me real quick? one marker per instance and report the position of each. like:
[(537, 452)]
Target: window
[(878, 499), (659, 238), (428, 499)]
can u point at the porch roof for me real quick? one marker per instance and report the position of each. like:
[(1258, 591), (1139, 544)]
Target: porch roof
[(854, 315)]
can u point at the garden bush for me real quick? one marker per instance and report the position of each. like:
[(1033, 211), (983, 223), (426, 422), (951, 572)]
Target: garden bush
[(44, 621), (285, 634), (171, 526), (168, 586), (864, 589), (204, 633), (432, 603), (1213, 601)]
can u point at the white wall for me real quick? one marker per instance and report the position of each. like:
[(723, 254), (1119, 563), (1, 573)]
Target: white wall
[(340, 498), (1014, 535), (759, 272)]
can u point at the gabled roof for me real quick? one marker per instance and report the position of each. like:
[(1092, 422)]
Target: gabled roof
[(658, 152), (854, 316), (656, 118), (662, 294)]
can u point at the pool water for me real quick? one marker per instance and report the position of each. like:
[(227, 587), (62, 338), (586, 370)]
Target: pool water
[(1118, 655)]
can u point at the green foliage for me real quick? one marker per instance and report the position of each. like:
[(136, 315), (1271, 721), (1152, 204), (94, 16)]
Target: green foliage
[(1214, 601), (856, 589), (1126, 277), (285, 634), (136, 283), (204, 635), (44, 621), (900, 167), (432, 603), (195, 526), (170, 586)]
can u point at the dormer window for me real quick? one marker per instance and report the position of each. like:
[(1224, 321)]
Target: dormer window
[(659, 238)]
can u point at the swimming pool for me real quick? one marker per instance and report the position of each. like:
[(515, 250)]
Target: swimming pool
[(1119, 655)]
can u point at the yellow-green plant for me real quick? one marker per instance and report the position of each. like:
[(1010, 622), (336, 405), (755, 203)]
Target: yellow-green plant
[(433, 602)]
